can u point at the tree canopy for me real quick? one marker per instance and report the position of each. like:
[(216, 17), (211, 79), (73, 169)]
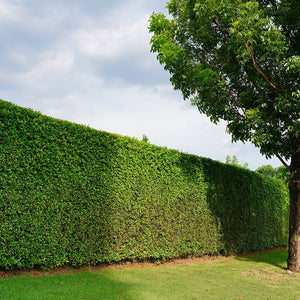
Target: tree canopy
[(280, 173), (238, 61), (235, 162)]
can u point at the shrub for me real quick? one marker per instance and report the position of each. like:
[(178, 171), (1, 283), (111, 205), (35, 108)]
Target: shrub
[(70, 194)]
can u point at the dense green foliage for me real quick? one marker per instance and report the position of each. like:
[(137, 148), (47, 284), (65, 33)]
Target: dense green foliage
[(237, 61), (70, 194), (280, 173)]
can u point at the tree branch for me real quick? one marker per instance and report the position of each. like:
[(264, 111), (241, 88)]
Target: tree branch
[(223, 27), (226, 37), (279, 74), (235, 99), (225, 56), (218, 101), (282, 161), (227, 86), (250, 52)]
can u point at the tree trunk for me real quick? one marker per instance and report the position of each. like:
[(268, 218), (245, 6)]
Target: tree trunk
[(294, 228)]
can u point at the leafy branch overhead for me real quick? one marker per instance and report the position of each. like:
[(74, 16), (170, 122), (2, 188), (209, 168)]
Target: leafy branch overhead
[(236, 61)]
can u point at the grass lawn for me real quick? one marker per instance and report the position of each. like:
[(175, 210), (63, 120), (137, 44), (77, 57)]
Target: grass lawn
[(257, 276)]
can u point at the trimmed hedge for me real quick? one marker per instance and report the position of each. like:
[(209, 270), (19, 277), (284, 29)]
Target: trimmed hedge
[(70, 194)]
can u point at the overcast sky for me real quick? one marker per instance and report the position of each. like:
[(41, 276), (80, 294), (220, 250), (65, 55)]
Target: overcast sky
[(89, 62)]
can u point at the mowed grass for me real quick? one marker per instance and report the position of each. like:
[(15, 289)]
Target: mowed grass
[(256, 276)]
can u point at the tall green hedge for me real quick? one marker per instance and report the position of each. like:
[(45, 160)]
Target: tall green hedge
[(70, 194)]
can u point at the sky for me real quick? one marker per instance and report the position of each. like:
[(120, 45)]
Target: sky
[(89, 62)]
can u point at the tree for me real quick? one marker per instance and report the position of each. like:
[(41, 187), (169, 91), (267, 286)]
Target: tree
[(145, 139), (283, 174), (267, 170), (235, 162), (239, 61), (280, 173)]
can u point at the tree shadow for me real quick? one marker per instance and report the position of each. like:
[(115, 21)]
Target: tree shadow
[(99, 286), (84, 285), (276, 258)]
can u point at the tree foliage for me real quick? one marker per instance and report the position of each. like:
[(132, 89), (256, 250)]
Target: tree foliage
[(280, 173), (238, 61), (235, 162), (145, 139)]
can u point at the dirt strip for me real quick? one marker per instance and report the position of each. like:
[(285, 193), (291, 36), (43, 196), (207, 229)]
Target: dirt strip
[(124, 265)]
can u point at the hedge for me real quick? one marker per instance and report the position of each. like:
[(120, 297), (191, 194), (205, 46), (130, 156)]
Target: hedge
[(70, 194)]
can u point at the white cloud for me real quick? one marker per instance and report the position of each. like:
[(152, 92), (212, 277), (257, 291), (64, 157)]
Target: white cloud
[(92, 66), (48, 71), (110, 43), (133, 111), (57, 62), (9, 12)]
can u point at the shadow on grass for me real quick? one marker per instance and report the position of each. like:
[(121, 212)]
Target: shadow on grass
[(277, 258), (84, 285)]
